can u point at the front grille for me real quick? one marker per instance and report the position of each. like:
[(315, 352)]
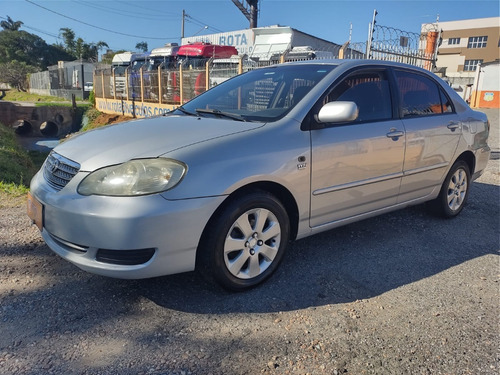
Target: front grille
[(58, 170), (124, 257)]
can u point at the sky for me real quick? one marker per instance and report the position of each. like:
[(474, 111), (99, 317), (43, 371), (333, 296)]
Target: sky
[(124, 23)]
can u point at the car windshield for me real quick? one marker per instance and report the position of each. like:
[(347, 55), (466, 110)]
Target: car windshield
[(264, 95)]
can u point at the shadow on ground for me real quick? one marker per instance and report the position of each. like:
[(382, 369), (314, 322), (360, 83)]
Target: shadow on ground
[(358, 261), (354, 262)]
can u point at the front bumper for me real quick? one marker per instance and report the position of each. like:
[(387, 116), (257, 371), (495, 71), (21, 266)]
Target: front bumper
[(153, 235)]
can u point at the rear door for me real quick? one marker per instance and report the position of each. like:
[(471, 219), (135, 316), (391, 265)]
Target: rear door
[(357, 166), (433, 131)]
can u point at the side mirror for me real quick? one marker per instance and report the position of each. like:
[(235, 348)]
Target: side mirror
[(338, 112)]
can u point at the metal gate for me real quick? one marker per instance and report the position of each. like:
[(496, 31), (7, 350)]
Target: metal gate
[(388, 43)]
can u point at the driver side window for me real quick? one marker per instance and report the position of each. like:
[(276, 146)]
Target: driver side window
[(370, 91)]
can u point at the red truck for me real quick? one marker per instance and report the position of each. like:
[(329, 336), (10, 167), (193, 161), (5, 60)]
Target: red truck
[(201, 50), (194, 56)]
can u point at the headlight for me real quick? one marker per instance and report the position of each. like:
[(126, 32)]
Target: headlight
[(135, 177)]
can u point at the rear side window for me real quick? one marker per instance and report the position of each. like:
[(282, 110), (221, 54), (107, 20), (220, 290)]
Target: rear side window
[(421, 96)]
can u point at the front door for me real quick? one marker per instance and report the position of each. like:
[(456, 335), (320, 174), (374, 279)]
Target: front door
[(357, 166)]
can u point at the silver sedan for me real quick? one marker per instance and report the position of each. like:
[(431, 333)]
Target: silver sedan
[(225, 182)]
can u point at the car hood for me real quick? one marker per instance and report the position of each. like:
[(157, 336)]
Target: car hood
[(115, 144)]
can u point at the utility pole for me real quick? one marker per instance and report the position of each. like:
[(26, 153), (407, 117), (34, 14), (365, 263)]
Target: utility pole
[(182, 26)]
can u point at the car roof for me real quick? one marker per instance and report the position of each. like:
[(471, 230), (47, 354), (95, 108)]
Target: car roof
[(348, 63)]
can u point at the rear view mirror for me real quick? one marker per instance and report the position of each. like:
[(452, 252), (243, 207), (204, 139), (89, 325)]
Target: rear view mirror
[(338, 112)]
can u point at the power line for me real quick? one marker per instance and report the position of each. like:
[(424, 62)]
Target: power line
[(57, 37), (35, 29), (114, 11), (132, 4), (201, 23), (97, 27)]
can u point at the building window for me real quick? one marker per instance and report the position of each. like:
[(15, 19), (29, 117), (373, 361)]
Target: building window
[(453, 41), (471, 65), (477, 42)]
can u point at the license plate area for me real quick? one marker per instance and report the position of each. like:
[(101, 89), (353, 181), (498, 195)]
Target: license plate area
[(35, 211)]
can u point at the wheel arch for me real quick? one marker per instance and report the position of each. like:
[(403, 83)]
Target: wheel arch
[(277, 190), (469, 158)]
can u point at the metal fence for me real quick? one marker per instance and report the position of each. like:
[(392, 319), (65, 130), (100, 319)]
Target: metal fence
[(401, 46), (169, 85), (190, 77), (388, 43), (176, 84), (64, 80)]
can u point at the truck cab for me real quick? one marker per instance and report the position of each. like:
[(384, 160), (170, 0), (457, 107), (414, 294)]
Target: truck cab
[(165, 56), (119, 65), (199, 52), (193, 57)]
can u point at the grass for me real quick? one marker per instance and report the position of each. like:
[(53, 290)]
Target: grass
[(12, 195), (92, 115), (63, 104), (17, 167), (19, 96)]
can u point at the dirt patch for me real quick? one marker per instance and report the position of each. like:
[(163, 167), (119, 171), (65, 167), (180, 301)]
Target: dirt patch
[(106, 119), (404, 293)]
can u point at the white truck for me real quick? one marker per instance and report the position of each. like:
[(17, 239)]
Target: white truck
[(166, 55), (272, 42), (119, 65)]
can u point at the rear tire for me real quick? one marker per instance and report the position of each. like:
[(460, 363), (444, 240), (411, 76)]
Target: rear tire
[(246, 241), (454, 191)]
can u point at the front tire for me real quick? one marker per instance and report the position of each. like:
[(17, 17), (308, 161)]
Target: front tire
[(246, 241), (454, 191)]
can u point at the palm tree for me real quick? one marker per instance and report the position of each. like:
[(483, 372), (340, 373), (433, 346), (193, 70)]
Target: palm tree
[(93, 50), (68, 36), (11, 25), (142, 46)]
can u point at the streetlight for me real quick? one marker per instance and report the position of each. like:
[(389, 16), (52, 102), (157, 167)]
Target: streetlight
[(200, 30)]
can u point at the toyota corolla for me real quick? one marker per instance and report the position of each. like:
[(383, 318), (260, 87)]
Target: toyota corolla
[(223, 183)]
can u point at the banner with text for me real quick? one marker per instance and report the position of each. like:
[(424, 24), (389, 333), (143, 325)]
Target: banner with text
[(132, 108)]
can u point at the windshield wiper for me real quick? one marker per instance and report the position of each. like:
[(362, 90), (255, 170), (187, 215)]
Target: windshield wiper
[(219, 113), (185, 111)]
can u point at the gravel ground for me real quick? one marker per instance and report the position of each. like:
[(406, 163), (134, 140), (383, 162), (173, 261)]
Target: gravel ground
[(404, 293)]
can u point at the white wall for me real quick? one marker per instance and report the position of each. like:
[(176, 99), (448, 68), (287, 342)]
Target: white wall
[(489, 80), (242, 40), (451, 62)]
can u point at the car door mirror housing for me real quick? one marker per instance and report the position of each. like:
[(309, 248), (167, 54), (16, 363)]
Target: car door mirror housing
[(338, 112)]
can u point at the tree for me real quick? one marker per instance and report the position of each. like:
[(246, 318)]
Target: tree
[(68, 36), (15, 74), (78, 48), (142, 46), (93, 50), (107, 58), (11, 25), (29, 48)]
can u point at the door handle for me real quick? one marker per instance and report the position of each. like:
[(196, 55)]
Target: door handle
[(395, 134), (453, 125)]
